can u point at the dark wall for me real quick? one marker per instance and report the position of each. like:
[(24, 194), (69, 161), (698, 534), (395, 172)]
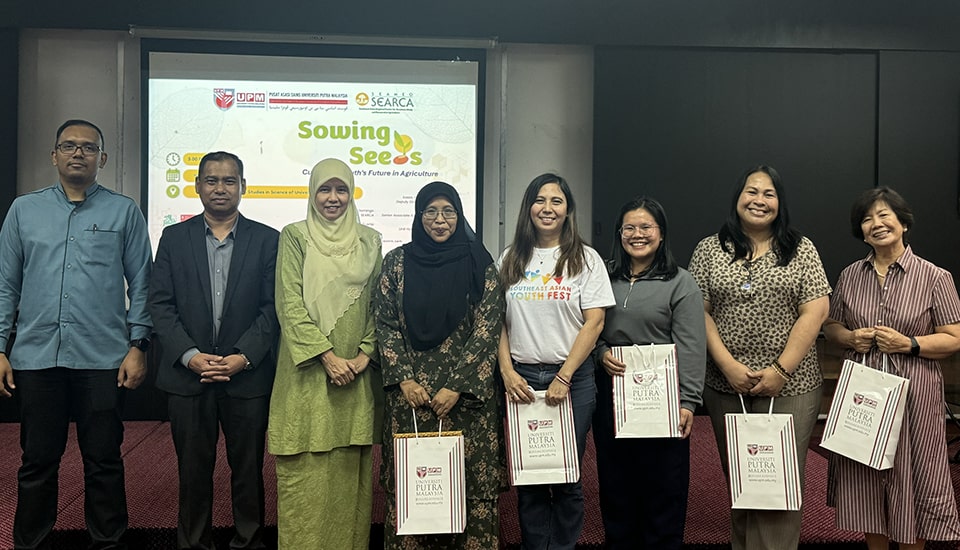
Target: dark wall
[(919, 146), (682, 125), (889, 24), (9, 69)]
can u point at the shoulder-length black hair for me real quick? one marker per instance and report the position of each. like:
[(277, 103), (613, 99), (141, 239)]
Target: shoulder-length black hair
[(571, 260), (664, 266), (786, 239)]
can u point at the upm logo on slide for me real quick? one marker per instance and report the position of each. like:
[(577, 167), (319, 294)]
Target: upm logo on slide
[(223, 98), (251, 99)]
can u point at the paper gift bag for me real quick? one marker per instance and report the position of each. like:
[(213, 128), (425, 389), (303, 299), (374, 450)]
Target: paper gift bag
[(430, 482), (541, 442), (762, 455), (866, 414), (646, 399)]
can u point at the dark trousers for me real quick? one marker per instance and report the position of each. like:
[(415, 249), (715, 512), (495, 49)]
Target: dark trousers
[(49, 398), (195, 422), (551, 516), (643, 483)]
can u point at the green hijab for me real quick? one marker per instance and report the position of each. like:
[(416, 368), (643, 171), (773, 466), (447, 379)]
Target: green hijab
[(341, 254)]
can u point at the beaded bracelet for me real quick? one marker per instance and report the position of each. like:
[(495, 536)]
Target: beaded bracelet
[(781, 371)]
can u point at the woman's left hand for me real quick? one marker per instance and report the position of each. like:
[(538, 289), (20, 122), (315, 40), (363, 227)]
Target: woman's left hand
[(769, 384), (359, 363), (891, 341), (444, 402), (556, 393), (338, 371)]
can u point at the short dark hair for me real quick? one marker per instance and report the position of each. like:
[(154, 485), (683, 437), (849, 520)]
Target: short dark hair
[(220, 156), (79, 122), (664, 266), (868, 198)]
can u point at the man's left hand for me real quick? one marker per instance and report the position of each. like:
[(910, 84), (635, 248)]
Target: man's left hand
[(133, 369)]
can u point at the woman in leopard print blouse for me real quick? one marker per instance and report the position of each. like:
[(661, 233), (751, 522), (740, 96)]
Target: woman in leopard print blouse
[(765, 296)]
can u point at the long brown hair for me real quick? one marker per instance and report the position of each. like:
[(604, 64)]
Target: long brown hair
[(571, 261)]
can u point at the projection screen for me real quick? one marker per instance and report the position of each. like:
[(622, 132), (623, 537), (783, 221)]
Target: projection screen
[(398, 122)]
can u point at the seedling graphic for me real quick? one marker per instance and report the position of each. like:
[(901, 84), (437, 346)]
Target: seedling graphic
[(402, 143)]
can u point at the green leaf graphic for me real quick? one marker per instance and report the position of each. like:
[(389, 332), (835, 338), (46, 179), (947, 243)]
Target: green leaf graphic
[(402, 143)]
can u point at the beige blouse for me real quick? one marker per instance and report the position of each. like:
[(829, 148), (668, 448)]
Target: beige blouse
[(755, 305)]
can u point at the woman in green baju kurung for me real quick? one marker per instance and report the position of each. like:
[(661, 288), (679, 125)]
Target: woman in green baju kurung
[(439, 311), (322, 409)]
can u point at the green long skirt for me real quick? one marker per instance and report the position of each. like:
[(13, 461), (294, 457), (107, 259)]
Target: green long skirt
[(325, 500)]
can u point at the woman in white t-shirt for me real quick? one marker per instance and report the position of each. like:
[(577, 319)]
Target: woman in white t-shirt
[(557, 294)]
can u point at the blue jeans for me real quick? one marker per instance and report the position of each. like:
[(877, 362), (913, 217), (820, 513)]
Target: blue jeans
[(551, 516)]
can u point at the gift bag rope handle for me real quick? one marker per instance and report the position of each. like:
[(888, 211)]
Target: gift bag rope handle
[(644, 360), (884, 365), (416, 432), (744, 407), (647, 362)]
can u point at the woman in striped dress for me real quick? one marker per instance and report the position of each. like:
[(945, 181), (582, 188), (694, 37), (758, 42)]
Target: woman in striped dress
[(897, 304)]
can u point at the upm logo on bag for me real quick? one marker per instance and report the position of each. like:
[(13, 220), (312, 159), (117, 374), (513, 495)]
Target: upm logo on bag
[(860, 399), (534, 425), (424, 471), (755, 449)]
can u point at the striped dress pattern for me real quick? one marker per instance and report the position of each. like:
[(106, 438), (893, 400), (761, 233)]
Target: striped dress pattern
[(913, 500)]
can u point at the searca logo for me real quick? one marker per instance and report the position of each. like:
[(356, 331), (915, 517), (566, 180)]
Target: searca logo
[(385, 102)]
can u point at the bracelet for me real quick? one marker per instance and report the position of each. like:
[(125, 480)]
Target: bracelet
[(562, 380), (781, 374), (781, 371)]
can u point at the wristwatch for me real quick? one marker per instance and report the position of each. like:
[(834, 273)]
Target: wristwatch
[(914, 347), (142, 344)]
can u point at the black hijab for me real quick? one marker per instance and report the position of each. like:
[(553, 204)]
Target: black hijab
[(440, 280)]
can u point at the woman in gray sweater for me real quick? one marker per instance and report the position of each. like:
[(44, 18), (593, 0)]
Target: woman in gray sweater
[(644, 482)]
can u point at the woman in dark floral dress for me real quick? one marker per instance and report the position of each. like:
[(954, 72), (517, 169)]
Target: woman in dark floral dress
[(439, 310)]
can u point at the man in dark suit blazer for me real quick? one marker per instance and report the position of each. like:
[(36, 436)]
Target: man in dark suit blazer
[(211, 299)]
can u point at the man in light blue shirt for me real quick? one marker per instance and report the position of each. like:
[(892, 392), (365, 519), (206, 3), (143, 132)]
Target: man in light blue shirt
[(66, 254)]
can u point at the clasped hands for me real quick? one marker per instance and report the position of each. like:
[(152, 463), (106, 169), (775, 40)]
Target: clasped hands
[(216, 368), (342, 371), (766, 382), (441, 403), (885, 338)]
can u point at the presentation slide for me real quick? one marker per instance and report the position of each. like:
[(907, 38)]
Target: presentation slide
[(399, 124)]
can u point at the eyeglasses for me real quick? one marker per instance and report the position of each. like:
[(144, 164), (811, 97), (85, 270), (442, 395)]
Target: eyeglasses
[(631, 230), (69, 148), (432, 213)]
